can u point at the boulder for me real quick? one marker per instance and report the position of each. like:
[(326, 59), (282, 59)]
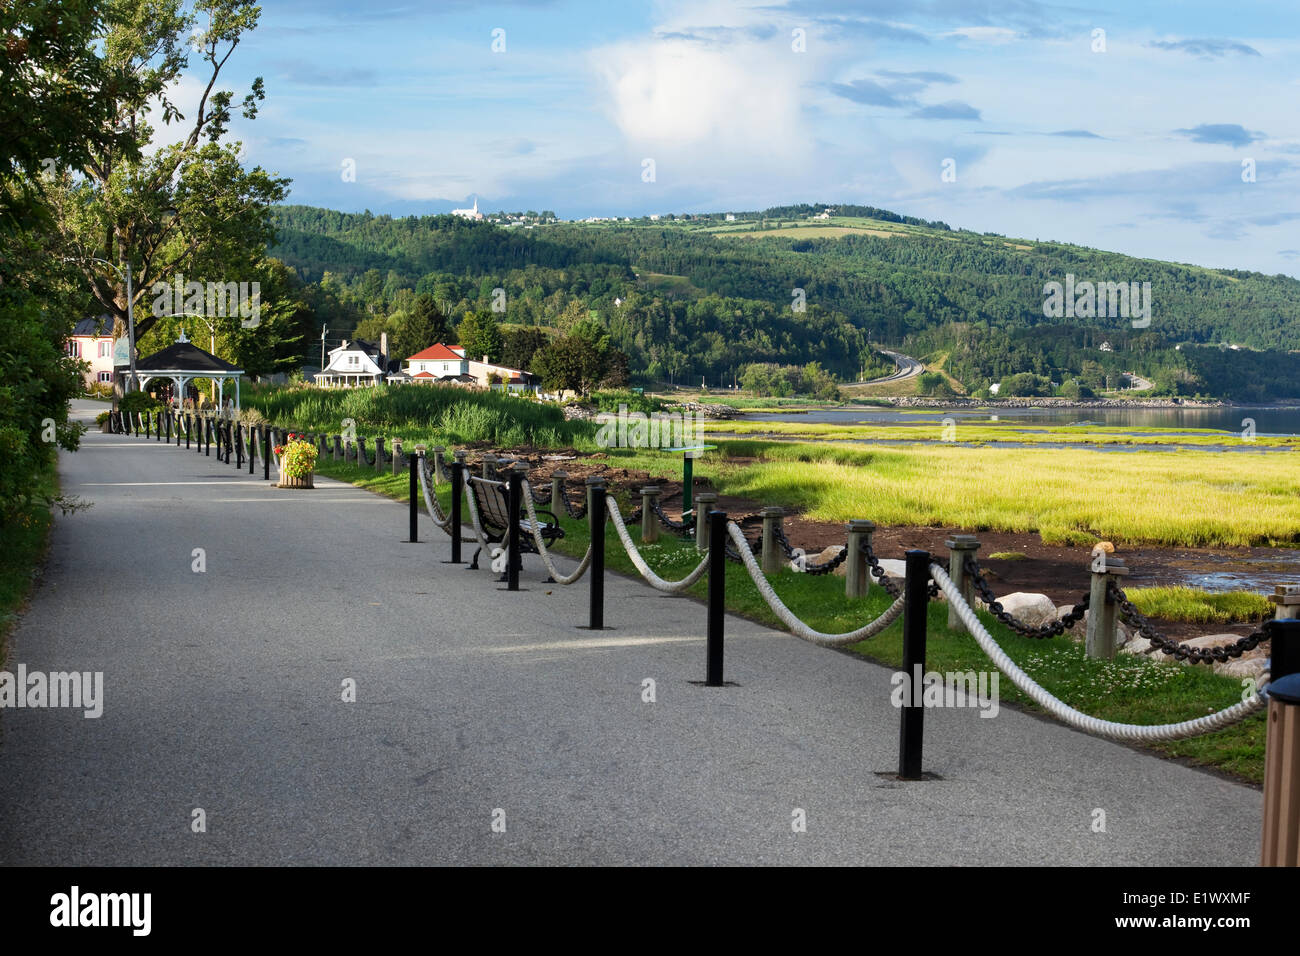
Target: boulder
[(1242, 667), (1032, 610)]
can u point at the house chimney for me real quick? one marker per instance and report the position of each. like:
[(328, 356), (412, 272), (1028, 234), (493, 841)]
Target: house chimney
[(383, 344), (485, 360)]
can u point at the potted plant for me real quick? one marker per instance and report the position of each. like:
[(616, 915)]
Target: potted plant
[(296, 462)]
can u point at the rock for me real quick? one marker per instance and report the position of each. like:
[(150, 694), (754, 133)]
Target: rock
[(828, 554), (1138, 645), (1032, 610), (893, 567), (1241, 668)]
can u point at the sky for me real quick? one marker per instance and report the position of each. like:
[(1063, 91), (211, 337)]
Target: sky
[(1166, 128)]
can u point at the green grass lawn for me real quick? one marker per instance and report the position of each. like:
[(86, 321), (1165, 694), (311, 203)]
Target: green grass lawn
[(1128, 689)]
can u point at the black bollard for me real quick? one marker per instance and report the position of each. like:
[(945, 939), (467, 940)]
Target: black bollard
[(413, 509), (158, 420), (457, 491), (252, 446), (912, 723), (717, 595), (187, 432), (147, 433), (168, 418), (266, 452), (515, 487), (239, 446), (596, 613)]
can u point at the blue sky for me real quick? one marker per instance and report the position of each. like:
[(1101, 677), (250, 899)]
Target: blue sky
[(1133, 141)]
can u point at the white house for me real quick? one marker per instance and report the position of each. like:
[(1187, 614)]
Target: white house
[(357, 364)]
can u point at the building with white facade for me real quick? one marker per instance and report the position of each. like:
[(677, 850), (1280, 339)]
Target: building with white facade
[(448, 364)]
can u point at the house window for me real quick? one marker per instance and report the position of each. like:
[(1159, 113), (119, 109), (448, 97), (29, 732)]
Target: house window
[(352, 360), (74, 348), (106, 377), (105, 349)]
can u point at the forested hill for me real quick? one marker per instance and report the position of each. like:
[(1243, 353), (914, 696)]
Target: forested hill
[(703, 294)]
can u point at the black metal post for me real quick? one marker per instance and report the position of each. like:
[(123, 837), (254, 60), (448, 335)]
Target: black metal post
[(413, 509), (168, 417), (266, 452), (158, 417), (717, 593), (252, 446), (596, 507), (187, 431), (515, 487), (147, 433), (912, 723), (457, 491), (1284, 642), (239, 446)]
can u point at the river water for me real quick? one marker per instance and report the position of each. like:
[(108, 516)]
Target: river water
[(1268, 420)]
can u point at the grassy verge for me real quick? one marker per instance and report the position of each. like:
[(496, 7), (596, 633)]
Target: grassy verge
[(23, 541), (1129, 689)]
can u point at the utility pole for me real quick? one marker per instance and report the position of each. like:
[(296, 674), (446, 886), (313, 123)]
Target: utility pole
[(323, 330)]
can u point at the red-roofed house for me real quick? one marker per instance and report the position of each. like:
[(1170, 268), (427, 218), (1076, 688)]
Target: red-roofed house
[(447, 363)]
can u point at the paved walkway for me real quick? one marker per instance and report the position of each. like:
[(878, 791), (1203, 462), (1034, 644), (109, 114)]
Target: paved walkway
[(223, 692)]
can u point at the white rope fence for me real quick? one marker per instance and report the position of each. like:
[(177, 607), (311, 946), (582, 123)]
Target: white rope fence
[(1067, 714), (434, 509), (536, 528), (797, 627), (654, 580)]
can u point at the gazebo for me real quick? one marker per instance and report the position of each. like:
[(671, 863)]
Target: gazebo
[(181, 363)]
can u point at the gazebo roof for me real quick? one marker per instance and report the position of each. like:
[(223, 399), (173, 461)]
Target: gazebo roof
[(187, 357)]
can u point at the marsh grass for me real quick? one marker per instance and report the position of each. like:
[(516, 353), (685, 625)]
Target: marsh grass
[(1201, 607), (1068, 496), (431, 414)]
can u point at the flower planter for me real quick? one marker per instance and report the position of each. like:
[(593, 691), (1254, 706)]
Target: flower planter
[(303, 482)]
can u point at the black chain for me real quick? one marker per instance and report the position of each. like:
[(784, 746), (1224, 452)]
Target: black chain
[(1199, 655), (683, 528), (1054, 629), (891, 587), (807, 567)]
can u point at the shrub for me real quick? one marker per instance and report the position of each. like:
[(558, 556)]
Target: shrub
[(138, 402)]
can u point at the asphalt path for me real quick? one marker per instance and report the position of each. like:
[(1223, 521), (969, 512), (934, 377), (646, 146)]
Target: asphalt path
[(224, 693)]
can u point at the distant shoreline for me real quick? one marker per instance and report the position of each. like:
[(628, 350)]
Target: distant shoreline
[(1121, 403)]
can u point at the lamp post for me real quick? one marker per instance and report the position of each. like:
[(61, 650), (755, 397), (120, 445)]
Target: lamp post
[(130, 310)]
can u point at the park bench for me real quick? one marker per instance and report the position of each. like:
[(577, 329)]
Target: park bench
[(493, 500)]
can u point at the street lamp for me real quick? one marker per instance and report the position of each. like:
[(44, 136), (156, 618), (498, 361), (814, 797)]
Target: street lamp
[(130, 311)]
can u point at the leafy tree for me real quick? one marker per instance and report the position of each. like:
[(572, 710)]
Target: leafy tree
[(423, 326), (481, 335), (520, 345), (187, 206)]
